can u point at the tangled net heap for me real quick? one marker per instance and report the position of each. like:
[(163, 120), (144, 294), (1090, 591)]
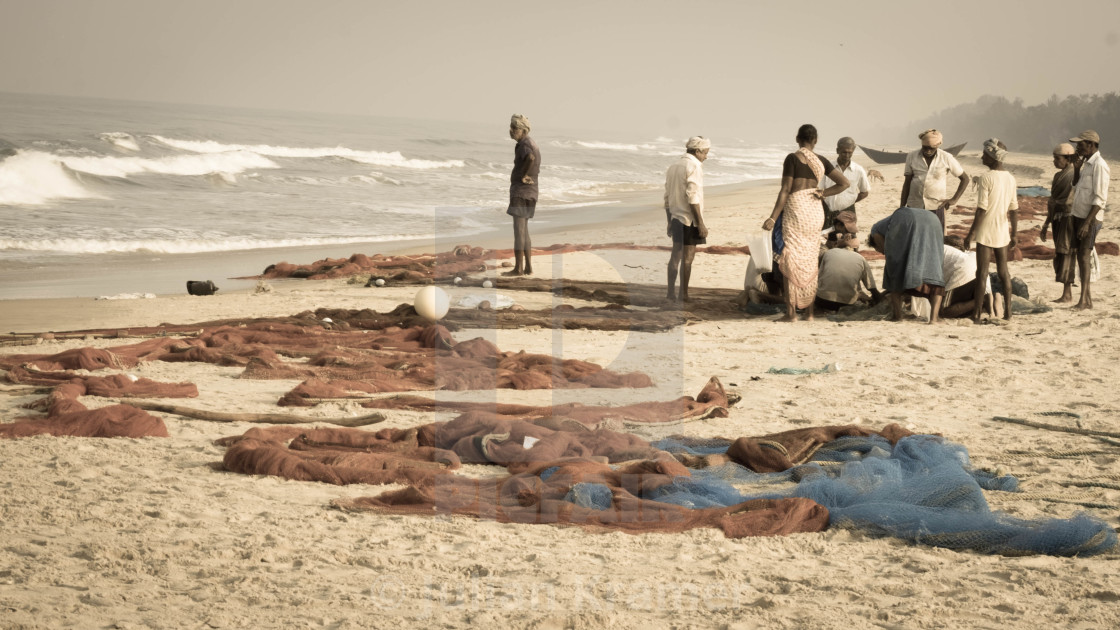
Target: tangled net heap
[(886, 483), (711, 402), (333, 363)]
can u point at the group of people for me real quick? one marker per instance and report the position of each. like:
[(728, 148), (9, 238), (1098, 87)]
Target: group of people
[(921, 261), (814, 237)]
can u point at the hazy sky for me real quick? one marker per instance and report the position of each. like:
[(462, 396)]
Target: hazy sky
[(750, 69)]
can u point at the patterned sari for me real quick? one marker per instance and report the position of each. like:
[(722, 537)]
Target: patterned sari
[(801, 229)]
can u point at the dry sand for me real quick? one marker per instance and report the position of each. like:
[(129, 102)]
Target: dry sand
[(133, 533)]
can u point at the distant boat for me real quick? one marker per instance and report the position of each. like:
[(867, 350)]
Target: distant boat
[(898, 157)]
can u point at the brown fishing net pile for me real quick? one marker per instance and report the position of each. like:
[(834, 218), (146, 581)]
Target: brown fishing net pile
[(442, 267), (547, 460), (332, 363), (711, 402), (66, 416)]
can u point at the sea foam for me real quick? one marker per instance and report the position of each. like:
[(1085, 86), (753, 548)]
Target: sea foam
[(179, 245), (110, 166), (375, 158), (35, 178)]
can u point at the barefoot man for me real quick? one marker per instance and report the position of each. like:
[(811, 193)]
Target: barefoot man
[(911, 240), (523, 193), (996, 223), (1090, 195), (684, 212), (1058, 215)]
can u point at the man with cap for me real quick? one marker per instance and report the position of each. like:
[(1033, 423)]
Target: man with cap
[(523, 192), (1090, 194), (684, 212), (1059, 214), (843, 225), (927, 169), (856, 192), (995, 224), (841, 275)]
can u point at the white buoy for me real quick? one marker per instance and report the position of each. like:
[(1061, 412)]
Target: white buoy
[(379, 282), (487, 285), (431, 303), (458, 280)]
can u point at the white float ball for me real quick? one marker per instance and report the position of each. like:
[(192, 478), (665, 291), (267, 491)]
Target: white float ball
[(431, 303), (487, 285), (379, 282), (458, 280)]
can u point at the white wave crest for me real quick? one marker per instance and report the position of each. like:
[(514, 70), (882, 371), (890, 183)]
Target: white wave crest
[(179, 246), (228, 163), (120, 139), (614, 146), (35, 178), (375, 158)]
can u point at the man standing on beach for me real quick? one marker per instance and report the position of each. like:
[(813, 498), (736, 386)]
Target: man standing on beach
[(523, 192), (1090, 195), (925, 175), (855, 193), (684, 212), (1059, 215), (996, 223)]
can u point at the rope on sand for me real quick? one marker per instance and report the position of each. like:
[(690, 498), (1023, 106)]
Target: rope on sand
[(1054, 427), (1085, 499), (262, 418), (1091, 484), (1014, 455)]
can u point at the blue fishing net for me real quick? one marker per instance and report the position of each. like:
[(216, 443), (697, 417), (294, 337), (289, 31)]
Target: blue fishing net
[(923, 489), (596, 496), (1033, 191)]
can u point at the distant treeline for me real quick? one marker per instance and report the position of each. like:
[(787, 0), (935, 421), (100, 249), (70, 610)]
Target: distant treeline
[(1037, 128)]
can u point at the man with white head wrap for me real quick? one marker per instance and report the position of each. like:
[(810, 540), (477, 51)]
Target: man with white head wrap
[(997, 206), (925, 175), (684, 212), (1059, 214), (523, 193)]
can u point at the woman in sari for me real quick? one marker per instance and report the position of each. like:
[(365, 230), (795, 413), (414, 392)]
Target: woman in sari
[(799, 207)]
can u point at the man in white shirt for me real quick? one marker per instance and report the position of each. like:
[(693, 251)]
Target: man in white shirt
[(684, 212), (924, 183), (856, 174), (1090, 195)]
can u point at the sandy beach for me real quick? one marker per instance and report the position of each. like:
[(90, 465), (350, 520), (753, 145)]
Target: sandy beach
[(151, 532)]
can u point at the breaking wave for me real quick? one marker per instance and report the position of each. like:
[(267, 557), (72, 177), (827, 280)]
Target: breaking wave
[(375, 158), (34, 178), (178, 246)]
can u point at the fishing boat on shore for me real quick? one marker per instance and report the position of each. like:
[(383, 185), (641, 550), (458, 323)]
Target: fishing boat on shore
[(898, 157)]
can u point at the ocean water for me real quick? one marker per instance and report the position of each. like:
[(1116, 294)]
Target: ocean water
[(97, 183)]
